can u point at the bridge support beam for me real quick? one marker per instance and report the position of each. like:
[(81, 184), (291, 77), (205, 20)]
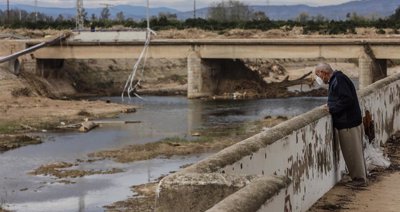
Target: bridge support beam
[(200, 76), (371, 70)]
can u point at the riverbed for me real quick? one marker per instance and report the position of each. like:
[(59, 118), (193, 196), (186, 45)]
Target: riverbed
[(161, 117)]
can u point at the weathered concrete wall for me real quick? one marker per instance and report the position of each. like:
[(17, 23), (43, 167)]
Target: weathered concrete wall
[(256, 193), (301, 149), (382, 100)]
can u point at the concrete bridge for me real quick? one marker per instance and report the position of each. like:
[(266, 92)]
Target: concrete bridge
[(205, 57)]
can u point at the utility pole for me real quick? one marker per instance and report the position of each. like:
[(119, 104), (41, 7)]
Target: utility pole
[(8, 11), (36, 10), (107, 5), (194, 9), (148, 16), (79, 15)]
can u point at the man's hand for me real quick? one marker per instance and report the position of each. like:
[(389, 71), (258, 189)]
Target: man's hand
[(326, 108)]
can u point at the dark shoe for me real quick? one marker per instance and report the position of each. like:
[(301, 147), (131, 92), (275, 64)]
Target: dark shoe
[(358, 182)]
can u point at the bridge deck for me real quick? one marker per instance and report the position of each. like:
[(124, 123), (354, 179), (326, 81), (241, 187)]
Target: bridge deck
[(228, 48)]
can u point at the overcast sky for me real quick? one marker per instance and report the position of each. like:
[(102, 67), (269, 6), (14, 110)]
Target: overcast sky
[(177, 4)]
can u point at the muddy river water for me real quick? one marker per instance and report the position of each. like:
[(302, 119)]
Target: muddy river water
[(160, 117)]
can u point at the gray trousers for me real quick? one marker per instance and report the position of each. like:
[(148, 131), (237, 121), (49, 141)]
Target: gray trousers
[(352, 149)]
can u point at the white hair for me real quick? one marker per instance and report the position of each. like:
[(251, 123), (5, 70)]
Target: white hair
[(325, 67)]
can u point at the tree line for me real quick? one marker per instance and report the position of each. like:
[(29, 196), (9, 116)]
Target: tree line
[(223, 15)]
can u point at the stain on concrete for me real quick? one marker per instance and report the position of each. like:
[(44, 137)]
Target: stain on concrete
[(369, 126)]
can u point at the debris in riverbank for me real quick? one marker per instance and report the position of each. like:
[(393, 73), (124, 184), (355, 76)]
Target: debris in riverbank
[(245, 79), (63, 170), (87, 126), (8, 142)]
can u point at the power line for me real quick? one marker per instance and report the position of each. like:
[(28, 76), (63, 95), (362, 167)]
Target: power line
[(36, 10), (8, 11)]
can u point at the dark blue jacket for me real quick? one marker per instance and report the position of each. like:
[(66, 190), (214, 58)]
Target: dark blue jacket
[(343, 102)]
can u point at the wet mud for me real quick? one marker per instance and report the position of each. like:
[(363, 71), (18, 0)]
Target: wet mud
[(8, 142), (65, 170)]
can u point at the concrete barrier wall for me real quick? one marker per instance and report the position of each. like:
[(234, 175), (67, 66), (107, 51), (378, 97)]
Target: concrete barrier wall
[(382, 100), (302, 150)]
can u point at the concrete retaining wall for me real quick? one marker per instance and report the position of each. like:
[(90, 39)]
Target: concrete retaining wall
[(301, 152)]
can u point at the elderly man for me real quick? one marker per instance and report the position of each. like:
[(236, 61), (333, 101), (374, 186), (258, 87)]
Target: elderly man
[(346, 114)]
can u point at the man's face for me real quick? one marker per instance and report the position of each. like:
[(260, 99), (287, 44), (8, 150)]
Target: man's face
[(324, 76)]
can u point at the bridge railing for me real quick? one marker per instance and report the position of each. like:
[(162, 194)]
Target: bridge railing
[(289, 166)]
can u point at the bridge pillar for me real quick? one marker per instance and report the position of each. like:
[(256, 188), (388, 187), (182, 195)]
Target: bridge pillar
[(200, 76), (371, 70), (14, 66), (381, 69)]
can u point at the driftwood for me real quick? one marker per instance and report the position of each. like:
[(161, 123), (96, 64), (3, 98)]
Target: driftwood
[(69, 126), (117, 122), (28, 127), (87, 126), (287, 83)]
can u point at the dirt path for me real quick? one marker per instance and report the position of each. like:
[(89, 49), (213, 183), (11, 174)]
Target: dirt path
[(381, 195)]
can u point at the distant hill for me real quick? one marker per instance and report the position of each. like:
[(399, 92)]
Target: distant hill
[(375, 8), (136, 12), (369, 8)]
